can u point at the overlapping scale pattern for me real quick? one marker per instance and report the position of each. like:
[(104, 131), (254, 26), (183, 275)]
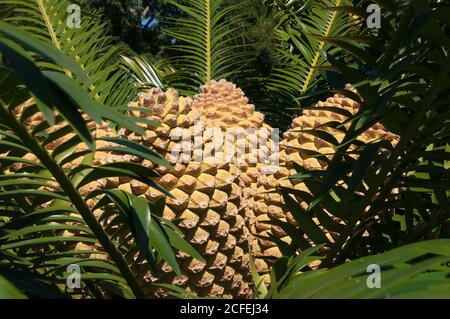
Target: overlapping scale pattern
[(222, 202), (299, 145), (207, 193)]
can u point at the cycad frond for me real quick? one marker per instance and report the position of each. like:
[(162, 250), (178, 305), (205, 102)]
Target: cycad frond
[(207, 46), (412, 271), (390, 194), (89, 46), (50, 215), (145, 73), (301, 52)]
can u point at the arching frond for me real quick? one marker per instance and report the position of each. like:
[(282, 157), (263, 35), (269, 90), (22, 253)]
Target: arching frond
[(207, 43), (302, 46), (51, 218), (145, 73), (89, 46), (412, 271), (388, 195)]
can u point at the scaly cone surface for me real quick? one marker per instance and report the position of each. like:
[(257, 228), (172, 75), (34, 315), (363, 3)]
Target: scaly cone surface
[(223, 203), (296, 148), (207, 194), (222, 104)]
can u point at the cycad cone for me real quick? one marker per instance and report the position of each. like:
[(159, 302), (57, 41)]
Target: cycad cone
[(223, 207), (298, 144), (210, 197)]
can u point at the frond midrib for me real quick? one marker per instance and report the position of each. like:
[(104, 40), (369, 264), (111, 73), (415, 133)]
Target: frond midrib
[(50, 29), (316, 58), (208, 41)]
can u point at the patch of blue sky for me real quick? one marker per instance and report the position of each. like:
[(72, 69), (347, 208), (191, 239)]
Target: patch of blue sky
[(149, 22)]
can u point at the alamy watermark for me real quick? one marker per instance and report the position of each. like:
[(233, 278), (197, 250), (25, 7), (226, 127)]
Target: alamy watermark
[(218, 146), (74, 19), (374, 18), (73, 281), (374, 279)]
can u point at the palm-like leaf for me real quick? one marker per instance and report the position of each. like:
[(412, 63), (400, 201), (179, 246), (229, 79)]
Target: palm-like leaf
[(89, 46), (9, 291), (406, 272), (302, 37), (145, 73), (207, 44), (389, 195), (49, 218)]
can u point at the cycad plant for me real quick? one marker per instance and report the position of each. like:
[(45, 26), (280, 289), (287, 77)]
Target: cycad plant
[(89, 46), (208, 43), (387, 196), (48, 211), (376, 182), (302, 37), (363, 172)]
